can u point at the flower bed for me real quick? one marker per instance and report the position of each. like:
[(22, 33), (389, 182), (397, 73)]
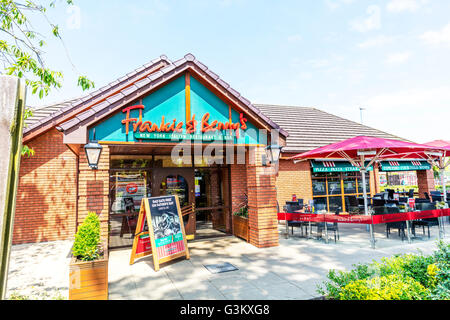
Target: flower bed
[(403, 277)]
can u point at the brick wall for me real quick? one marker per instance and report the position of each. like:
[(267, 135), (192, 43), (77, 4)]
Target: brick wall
[(46, 197), (238, 177), (293, 178), (93, 193), (425, 181), (262, 201)]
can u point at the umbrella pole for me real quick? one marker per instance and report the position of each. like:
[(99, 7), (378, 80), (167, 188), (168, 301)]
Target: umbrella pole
[(444, 190), (366, 207), (444, 187)]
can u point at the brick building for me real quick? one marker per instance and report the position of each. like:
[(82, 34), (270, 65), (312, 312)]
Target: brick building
[(178, 128)]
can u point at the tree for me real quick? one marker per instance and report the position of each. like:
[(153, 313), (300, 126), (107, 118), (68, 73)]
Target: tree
[(21, 49)]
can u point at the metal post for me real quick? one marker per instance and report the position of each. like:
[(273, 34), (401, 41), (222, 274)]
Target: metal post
[(408, 228), (366, 208), (287, 229), (444, 187), (444, 190), (326, 229), (12, 106)]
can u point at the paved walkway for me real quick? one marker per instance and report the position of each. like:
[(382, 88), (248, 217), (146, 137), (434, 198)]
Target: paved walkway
[(40, 270), (291, 271)]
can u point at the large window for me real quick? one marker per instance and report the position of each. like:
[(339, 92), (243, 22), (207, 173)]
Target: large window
[(331, 190)]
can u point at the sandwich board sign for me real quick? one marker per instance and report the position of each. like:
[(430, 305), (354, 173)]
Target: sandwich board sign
[(141, 244), (166, 238)]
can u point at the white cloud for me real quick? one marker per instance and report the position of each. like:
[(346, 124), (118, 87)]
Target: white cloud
[(377, 41), (334, 4), (405, 5), (397, 58), (319, 63), (294, 38), (419, 114), (437, 37), (371, 22)]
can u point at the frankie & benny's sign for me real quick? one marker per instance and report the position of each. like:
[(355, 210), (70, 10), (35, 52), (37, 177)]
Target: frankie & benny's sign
[(209, 129)]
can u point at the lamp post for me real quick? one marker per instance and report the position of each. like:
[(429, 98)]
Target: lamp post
[(93, 150)]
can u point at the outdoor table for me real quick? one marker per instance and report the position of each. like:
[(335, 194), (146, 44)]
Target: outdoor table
[(368, 219)]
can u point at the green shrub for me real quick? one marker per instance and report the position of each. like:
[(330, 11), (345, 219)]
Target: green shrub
[(391, 287), (339, 279), (424, 277), (410, 265), (87, 239), (242, 212), (441, 272)]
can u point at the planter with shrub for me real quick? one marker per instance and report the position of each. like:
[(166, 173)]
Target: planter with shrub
[(88, 273), (240, 223)]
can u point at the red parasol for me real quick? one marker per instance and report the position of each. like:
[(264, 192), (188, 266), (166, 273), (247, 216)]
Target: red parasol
[(361, 148)]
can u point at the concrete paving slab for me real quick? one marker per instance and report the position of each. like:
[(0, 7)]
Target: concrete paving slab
[(290, 271), (248, 294)]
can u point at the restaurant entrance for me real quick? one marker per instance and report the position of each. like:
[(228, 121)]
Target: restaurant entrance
[(203, 193)]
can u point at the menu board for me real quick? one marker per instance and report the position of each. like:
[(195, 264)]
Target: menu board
[(167, 226), (165, 237), (141, 245)]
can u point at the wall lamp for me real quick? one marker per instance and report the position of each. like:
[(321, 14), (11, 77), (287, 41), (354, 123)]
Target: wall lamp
[(93, 150), (272, 155)]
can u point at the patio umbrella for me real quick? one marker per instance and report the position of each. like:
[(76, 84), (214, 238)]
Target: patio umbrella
[(437, 155), (362, 152)]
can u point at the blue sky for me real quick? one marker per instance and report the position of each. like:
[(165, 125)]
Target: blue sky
[(388, 56)]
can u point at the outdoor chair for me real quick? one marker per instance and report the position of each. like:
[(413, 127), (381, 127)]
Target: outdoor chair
[(421, 200), (352, 205), (300, 203), (390, 194), (403, 200), (292, 206), (436, 196), (429, 222), (330, 227), (378, 202), (399, 225)]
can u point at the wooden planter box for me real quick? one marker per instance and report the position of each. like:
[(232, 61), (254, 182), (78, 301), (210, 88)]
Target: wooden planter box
[(88, 280), (240, 227)]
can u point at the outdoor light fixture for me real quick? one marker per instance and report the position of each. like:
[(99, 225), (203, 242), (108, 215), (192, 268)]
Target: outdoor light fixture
[(272, 154), (93, 150)]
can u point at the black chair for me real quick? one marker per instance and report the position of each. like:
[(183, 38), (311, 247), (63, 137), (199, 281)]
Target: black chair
[(330, 227), (436, 196), (352, 205), (429, 222), (399, 225), (403, 200), (378, 202), (300, 203), (390, 194), (290, 207)]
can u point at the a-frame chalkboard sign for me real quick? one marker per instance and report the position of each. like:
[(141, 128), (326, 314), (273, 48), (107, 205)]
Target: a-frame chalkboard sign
[(160, 231)]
